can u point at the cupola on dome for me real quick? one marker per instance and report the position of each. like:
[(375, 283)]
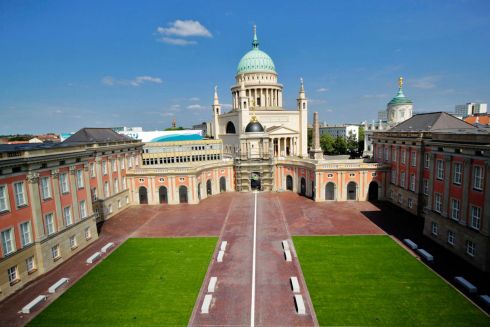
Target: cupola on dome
[(255, 60), (400, 98)]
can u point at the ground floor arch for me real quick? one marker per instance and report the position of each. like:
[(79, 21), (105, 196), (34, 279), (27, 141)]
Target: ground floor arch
[(183, 194), (303, 186), (209, 189), (373, 191), (222, 184), (330, 191), (199, 191), (289, 182), (352, 191), (163, 195), (143, 195)]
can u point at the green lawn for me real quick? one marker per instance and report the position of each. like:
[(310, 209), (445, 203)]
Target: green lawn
[(371, 280), (145, 282)]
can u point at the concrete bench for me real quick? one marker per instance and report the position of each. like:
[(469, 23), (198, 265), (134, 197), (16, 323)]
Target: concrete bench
[(426, 255), (107, 247), (212, 284), (466, 284), (206, 303), (485, 298), (93, 257), (57, 285), (285, 245), (295, 284), (221, 253), (300, 304), (223, 245), (287, 255), (33, 303), (410, 244)]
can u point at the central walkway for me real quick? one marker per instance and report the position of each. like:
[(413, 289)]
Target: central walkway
[(232, 300)]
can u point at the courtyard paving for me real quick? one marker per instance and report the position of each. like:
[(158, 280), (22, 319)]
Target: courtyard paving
[(230, 216)]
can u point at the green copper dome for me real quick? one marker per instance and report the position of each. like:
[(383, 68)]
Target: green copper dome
[(399, 99), (255, 60)]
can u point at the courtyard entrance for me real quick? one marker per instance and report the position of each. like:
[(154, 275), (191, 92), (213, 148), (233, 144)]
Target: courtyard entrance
[(143, 195), (255, 181)]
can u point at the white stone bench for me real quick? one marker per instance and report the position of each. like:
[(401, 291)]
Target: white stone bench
[(206, 303), (33, 303), (57, 285), (93, 257), (285, 245), (107, 247), (466, 284), (426, 255), (287, 255), (300, 304), (295, 284), (485, 298), (221, 253), (212, 284), (223, 245), (410, 244)]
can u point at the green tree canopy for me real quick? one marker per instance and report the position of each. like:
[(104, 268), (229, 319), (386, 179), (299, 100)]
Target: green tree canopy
[(340, 145), (326, 143)]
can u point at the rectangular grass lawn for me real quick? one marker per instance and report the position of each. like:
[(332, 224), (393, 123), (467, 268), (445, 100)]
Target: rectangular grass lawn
[(371, 280), (149, 282)]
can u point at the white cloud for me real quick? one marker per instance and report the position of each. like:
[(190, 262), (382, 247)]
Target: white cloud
[(426, 82), (195, 107), (168, 114), (194, 99), (185, 28), (322, 89), (174, 41), (137, 81)]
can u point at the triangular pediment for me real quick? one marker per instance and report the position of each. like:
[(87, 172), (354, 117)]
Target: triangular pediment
[(280, 130)]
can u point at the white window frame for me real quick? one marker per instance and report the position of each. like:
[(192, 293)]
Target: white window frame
[(92, 169), (83, 209), (470, 248), (116, 185), (410, 203), (20, 194), (80, 183), (122, 163), (414, 158), (412, 182), (426, 186), (45, 187), (67, 216), (30, 264), (437, 202), (25, 233), (402, 179), (73, 242), (106, 190), (50, 224), (104, 167), (124, 185), (8, 241), (88, 233), (427, 161), (393, 155), (64, 183), (451, 237), (13, 274), (55, 252), (404, 155), (439, 169), (455, 209), (478, 178), (434, 229), (475, 213), (457, 173), (4, 198)]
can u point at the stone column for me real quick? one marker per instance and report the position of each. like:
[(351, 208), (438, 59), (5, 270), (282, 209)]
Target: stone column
[(35, 204), (74, 195), (431, 180), (279, 98), (86, 181), (466, 191), (98, 173), (56, 196), (485, 220), (447, 183)]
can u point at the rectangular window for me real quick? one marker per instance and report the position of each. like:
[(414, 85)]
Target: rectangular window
[(83, 209), (478, 178), (106, 189), (73, 242), (435, 229), (457, 176), (13, 274), (4, 205), (410, 203), (402, 179), (122, 163), (67, 216), (110, 208), (130, 163), (450, 237), (119, 204), (88, 233), (92, 170), (45, 188), (25, 233), (437, 202), (104, 167), (124, 183), (455, 209), (55, 252), (127, 200), (30, 264), (64, 183), (80, 178), (49, 218), (470, 248), (393, 155), (116, 185), (8, 244), (20, 197), (426, 186), (412, 182), (426, 161), (113, 165), (386, 154), (439, 169), (403, 156), (393, 176), (414, 158), (93, 192), (475, 217)]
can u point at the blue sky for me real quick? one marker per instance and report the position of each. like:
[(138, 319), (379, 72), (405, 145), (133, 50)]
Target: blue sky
[(67, 65)]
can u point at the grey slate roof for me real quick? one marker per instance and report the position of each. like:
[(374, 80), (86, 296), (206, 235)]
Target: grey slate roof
[(431, 122), (96, 135)]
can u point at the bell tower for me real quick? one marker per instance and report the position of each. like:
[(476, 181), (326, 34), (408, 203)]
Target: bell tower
[(303, 121), (216, 113)]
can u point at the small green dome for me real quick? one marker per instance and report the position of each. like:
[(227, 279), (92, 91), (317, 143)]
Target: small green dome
[(255, 60), (399, 99)]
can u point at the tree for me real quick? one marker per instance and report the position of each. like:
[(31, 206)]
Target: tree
[(310, 137), (340, 146), (360, 146), (180, 128), (326, 143), (352, 143)]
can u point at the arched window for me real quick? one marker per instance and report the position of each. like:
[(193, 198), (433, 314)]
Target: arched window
[(303, 186), (162, 194), (373, 191), (352, 191), (330, 191), (209, 190), (222, 184), (182, 194), (289, 182), (143, 195), (230, 128)]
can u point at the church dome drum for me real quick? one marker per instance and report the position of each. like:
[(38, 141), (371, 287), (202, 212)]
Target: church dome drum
[(254, 127)]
